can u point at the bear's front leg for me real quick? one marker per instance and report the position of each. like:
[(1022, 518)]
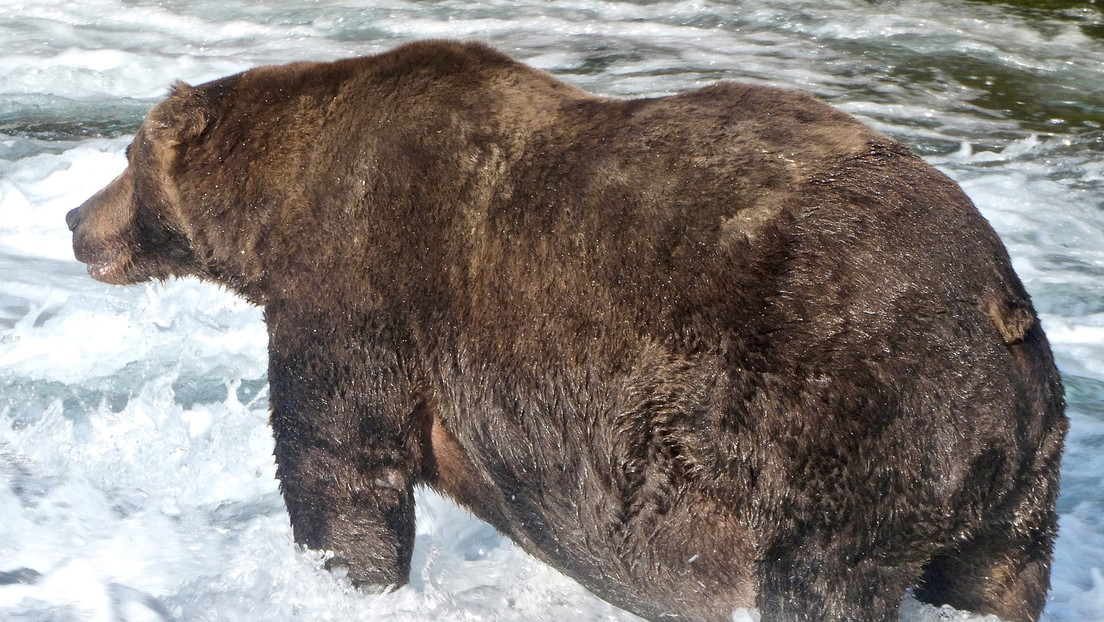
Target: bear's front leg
[(343, 417)]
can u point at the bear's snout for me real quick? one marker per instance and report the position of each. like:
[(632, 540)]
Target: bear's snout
[(121, 245), (73, 218), (101, 236)]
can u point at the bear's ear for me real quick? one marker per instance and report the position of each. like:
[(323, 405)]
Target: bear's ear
[(182, 117)]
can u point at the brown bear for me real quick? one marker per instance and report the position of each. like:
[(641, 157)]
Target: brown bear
[(719, 350)]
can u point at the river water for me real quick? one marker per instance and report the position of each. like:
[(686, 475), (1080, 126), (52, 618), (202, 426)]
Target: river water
[(136, 477)]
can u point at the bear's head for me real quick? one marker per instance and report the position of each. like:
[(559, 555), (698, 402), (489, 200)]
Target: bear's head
[(134, 229)]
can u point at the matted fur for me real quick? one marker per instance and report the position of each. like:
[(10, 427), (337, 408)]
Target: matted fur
[(724, 349)]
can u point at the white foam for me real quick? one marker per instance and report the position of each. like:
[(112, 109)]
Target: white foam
[(36, 193)]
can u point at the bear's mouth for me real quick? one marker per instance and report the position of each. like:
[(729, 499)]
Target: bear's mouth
[(111, 272)]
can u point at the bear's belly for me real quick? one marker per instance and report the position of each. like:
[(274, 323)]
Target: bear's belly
[(692, 561)]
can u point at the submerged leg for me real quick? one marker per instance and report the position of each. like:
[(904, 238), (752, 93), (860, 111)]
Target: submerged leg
[(346, 447), (808, 584), (1009, 580), (1004, 569)]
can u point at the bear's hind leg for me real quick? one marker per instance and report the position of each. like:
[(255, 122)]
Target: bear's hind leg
[(1004, 568), (804, 586), (1007, 576)]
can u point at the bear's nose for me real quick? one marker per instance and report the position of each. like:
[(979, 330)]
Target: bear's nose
[(73, 218)]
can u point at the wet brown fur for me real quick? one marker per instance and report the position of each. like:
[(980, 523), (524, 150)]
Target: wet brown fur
[(724, 349)]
